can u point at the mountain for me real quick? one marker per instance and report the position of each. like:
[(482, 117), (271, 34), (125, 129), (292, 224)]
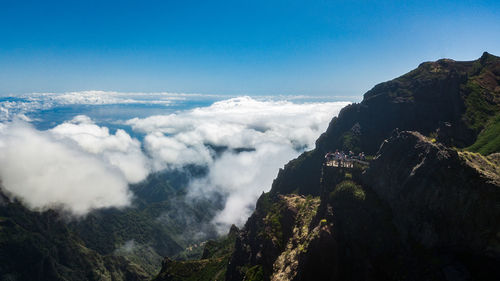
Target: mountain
[(456, 102), (39, 246), (161, 222), (210, 267), (425, 207), (107, 244)]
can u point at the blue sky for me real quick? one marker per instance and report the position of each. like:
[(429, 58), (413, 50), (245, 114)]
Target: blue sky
[(323, 48)]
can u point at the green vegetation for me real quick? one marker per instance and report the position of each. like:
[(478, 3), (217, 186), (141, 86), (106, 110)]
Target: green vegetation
[(212, 266), (200, 270), (301, 235), (160, 223), (479, 109), (433, 137), (483, 114), (350, 141), (488, 141), (143, 255), (273, 220), (307, 210), (489, 165), (220, 247), (348, 188), (107, 242), (265, 202), (255, 273), (39, 246), (369, 157)]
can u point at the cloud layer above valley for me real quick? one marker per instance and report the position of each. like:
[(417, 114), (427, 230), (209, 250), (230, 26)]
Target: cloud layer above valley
[(44, 171), (79, 165), (119, 149), (256, 137)]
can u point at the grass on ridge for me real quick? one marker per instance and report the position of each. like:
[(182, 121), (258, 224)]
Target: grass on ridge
[(488, 141)]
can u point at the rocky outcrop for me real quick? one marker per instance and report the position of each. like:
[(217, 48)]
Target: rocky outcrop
[(422, 210), (441, 203), (273, 238), (452, 99), (425, 181)]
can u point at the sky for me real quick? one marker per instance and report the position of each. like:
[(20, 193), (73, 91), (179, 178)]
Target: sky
[(316, 48)]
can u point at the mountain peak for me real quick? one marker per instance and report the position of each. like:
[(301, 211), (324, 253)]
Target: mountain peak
[(487, 57)]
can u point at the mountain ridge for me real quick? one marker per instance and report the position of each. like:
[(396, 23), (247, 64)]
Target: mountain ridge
[(396, 219)]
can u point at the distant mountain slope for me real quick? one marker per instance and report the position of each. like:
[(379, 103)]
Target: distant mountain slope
[(39, 246), (161, 222), (108, 244), (211, 266)]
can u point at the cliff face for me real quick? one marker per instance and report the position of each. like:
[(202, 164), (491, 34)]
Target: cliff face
[(452, 100), (437, 197), (421, 210)]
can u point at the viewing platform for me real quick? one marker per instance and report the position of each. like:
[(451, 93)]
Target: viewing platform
[(339, 159), (346, 163)]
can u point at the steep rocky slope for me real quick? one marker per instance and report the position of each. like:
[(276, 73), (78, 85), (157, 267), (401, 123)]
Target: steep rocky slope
[(427, 206), (455, 101), (421, 211)]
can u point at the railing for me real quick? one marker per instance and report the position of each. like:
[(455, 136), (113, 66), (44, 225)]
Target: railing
[(344, 163)]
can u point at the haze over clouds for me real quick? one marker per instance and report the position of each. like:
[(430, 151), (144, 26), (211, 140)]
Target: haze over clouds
[(12, 106), (79, 165)]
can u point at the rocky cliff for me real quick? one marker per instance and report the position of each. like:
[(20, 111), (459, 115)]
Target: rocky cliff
[(452, 100), (425, 208), (421, 211)]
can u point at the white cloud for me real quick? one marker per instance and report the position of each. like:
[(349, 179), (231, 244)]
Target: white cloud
[(119, 150), (128, 247), (79, 165), (174, 153), (242, 177), (44, 173), (275, 131)]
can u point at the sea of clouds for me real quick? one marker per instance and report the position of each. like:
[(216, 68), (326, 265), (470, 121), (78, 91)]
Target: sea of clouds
[(79, 166)]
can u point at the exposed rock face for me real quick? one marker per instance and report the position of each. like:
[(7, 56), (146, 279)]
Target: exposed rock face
[(451, 98), (441, 204), (420, 211), (437, 198), (263, 239)]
